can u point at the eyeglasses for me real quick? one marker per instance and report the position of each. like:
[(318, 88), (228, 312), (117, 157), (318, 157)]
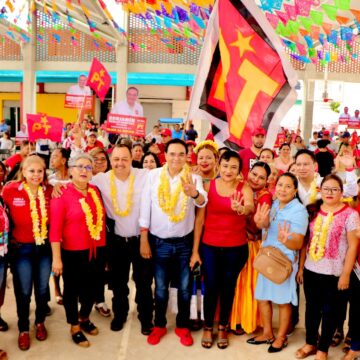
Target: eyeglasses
[(82, 167), (327, 190)]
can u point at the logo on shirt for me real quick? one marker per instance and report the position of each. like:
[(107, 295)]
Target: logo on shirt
[(252, 162), (19, 202)]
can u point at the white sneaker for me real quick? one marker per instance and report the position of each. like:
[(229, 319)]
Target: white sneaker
[(103, 309)]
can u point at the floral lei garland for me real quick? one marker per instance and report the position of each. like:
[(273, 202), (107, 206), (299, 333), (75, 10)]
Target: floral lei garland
[(94, 229), (318, 241), (168, 201), (129, 195), (39, 234), (314, 190)]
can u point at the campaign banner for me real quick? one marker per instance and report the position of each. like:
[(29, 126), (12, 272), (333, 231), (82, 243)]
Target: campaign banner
[(354, 123), (41, 126), (126, 125), (78, 102), (344, 120)]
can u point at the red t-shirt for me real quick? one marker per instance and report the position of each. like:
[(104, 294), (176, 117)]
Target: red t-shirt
[(161, 154), (223, 227), (248, 158), (17, 201), (68, 224), (13, 160), (98, 144)]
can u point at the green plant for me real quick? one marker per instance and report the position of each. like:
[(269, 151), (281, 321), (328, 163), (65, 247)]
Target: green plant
[(334, 106)]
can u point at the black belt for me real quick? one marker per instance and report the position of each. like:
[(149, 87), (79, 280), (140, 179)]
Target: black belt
[(126, 239), (175, 239)]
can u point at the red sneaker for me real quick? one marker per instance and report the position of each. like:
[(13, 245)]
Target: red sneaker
[(41, 333), (185, 336), (24, 340), (156, 334)]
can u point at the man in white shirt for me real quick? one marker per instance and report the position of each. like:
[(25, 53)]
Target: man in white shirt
[(80, 88), (76, 142), (130, 106), (167, 218), (313, 141), (121, 190)]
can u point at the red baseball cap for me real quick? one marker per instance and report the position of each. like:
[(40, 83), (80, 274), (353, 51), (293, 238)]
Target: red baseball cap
[(166, 132), (259, 131), (326, 132)]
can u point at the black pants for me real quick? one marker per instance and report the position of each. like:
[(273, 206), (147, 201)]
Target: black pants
[(122, 253), (354, 318), (80, 273), (222, 266), (342, 305), (321, 298)]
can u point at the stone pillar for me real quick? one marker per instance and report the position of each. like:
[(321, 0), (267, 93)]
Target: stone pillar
[(121, 71), (307, 110)]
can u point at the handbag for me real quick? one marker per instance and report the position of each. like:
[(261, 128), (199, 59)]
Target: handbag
[(272, 263)]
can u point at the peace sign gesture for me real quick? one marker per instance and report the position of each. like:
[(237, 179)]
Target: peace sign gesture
[(284, 232), (189, 186), (261, 217), (236, 200)]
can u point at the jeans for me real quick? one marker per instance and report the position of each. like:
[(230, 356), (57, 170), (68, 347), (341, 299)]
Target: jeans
[(172, 254), (354, 325), (221, 266), (3, 269), (321, 300), (31, 266), (79, 275), (123, 252)]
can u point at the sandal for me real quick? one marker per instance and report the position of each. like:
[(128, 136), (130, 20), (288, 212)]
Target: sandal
[(337, 338), (238, 330), (302, 354), (59, 300), (89, 327), (80, 339), (207, 342), (223, 341)]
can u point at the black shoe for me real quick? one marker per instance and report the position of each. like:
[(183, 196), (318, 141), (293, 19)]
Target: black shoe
[(3, 325), (116, 324), (272, 349), (146, 329), (195, 324), (48, 310), (252, 341)]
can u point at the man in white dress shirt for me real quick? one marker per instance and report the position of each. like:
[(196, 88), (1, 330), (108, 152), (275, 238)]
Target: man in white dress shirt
[(167, 222), (123, 186), (130, 106), (80, 88)]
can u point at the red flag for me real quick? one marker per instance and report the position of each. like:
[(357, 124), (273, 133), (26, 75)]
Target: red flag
[(99, 79), (244, 80), (41, 126)]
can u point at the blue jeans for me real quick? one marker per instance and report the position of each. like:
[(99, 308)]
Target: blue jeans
[(3, 268), (171, 258), (221, 267), (30, 265)]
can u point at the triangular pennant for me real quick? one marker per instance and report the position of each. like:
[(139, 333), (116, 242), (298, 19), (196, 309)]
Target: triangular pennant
[(282, 16), (306, 22), (303, 7), (343, 4), (273, 19), (291, 11), (293, 26), (330, 10), (303, 32), (315, 31), (356, 13), (342, 20), (317, 17), (327, 28)]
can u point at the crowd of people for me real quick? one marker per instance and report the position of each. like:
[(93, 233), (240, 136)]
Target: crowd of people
[(186, 215)]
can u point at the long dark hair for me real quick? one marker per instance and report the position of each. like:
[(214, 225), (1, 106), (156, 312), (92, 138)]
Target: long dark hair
[(313, 209)]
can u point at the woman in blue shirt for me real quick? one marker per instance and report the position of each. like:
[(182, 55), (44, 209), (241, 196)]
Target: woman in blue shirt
[(284, 227)]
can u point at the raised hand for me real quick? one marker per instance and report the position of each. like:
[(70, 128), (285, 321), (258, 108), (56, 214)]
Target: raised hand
[(284, 232), (189, 186), (261, 217), (237, 201)]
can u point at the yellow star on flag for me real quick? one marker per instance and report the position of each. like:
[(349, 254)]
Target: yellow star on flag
[(243, 43)]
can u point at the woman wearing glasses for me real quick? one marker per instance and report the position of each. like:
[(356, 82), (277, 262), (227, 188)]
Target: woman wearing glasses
[(28, 199), (77, 236), (327, 266)]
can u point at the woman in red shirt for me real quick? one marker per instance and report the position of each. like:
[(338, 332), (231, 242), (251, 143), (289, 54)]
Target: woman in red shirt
[(77, 236), (28, 199), (224, 243)]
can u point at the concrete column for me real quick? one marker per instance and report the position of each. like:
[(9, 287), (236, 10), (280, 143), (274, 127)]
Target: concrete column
[(306, 123), (121, 71), (28, 93)]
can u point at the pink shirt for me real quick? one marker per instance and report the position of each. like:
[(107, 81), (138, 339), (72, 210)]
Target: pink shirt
[(68, 224), (344, 221)]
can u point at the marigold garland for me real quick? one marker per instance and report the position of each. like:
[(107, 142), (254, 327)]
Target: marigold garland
[(168, 201), (94, 229), (320, 233), (39, 234), (314, 190), (129, 195)]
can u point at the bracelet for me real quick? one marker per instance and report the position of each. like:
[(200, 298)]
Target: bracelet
[(196, 196)]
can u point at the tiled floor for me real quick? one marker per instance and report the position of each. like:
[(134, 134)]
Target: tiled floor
[(129, 344)]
